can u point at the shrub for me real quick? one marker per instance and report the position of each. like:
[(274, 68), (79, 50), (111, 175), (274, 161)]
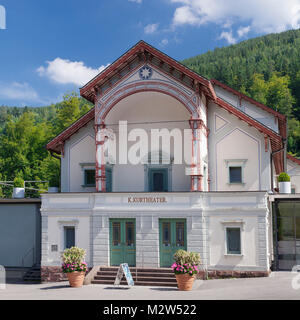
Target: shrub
[(186, 262), (18, 182), (54, 181), (284, 177), (73, 260), (186, 257)]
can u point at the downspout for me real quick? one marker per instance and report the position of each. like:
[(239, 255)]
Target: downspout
[(54, 155), (271, 161), (285, 147)]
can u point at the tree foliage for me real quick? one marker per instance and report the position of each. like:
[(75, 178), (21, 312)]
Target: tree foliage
[(24, 133), (266, 68)]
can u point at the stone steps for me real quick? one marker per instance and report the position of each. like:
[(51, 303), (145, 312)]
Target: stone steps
[(33, 274), (163, 277)]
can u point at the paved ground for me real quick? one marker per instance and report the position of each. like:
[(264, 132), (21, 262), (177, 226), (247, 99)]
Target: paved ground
[(278, 286)]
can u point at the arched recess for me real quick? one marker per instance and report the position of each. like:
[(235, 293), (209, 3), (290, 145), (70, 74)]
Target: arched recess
[(102, 108), (103, 105)]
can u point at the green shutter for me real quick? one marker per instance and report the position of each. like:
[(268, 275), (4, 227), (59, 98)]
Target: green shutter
[(108, 174), (233, 240)]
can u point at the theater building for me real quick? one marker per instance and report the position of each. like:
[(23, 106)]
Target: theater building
[(127, 197)]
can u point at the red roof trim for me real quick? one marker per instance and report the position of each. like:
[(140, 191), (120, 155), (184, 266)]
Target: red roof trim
[(243, 116), (140, 46), (294, 159), (55, 144), (243, 96)]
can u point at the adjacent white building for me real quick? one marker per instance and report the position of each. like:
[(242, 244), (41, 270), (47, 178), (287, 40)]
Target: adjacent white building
[(127, 195)]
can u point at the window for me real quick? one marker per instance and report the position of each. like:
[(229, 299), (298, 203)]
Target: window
[(89, 178), (293, 190), (69, 235), (236, 170), (233, 240), (235, 174), (158, 180)]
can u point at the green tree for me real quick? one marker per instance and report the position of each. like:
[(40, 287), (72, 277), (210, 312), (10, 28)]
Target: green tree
[(69, 110)]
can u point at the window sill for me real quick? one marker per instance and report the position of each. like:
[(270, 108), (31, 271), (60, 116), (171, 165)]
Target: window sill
[(236, 183), (233, 255)]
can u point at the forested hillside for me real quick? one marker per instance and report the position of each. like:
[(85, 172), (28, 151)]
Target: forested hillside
[(266, 68), (24, 133)]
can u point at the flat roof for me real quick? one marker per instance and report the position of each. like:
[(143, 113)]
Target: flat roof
[(25, 200)]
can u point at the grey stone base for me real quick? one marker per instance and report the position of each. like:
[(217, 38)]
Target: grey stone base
[(225, 274), (54, 274)]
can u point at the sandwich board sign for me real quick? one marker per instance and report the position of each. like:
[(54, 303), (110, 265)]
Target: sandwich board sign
[(124, 269)]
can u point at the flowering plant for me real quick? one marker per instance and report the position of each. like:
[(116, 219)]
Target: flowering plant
[(186, 262), (73, 260), (184, 269), (81, 267)]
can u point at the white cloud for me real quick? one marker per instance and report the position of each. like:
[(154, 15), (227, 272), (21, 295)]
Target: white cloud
[(151, 28), (164, 42), (18, 91), (262, 16), (227, 35), (137, 1), (243, 31), (66, 71)]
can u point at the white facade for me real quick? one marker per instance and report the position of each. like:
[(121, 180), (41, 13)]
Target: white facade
[(207, 216), (228, 164)]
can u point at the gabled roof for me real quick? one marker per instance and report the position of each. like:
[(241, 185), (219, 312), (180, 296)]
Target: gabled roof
[(56, 144), (142, 50), (281, 118), (147, 51)]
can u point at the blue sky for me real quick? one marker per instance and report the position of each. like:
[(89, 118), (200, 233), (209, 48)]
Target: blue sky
[(51, 47)]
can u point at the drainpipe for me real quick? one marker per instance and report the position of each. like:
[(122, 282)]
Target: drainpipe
[(54, 155), (271, 161)]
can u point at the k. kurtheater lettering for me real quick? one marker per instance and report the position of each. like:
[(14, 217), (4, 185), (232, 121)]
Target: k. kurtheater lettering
[(147, 200)]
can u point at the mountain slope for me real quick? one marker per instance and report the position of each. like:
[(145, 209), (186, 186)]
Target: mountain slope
[(266, 68)]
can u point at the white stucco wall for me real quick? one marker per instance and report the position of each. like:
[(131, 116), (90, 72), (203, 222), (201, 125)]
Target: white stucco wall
[(78, 149), (252, 110), (147, 111), (206, 215), (232, 141)]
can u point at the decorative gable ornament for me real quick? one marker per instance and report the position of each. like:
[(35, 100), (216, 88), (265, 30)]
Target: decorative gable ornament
[(145, 73)]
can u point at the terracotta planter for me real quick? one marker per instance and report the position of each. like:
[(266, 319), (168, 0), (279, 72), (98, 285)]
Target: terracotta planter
[(76, 278), (185, 282)]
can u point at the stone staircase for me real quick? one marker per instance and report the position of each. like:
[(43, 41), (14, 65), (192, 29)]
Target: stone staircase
[(162, 277), (33, 274)]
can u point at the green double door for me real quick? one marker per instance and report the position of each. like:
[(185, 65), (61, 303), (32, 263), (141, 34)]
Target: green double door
[(172, 237), (122, 242)]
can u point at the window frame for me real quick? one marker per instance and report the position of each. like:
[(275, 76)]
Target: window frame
[(230, 163), (91, 166), (67, 223), (236, 223), (85, 178), (228, 252), (65, 228)]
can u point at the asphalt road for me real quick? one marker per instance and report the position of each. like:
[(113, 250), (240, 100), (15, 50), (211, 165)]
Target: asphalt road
[(280, 285)]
